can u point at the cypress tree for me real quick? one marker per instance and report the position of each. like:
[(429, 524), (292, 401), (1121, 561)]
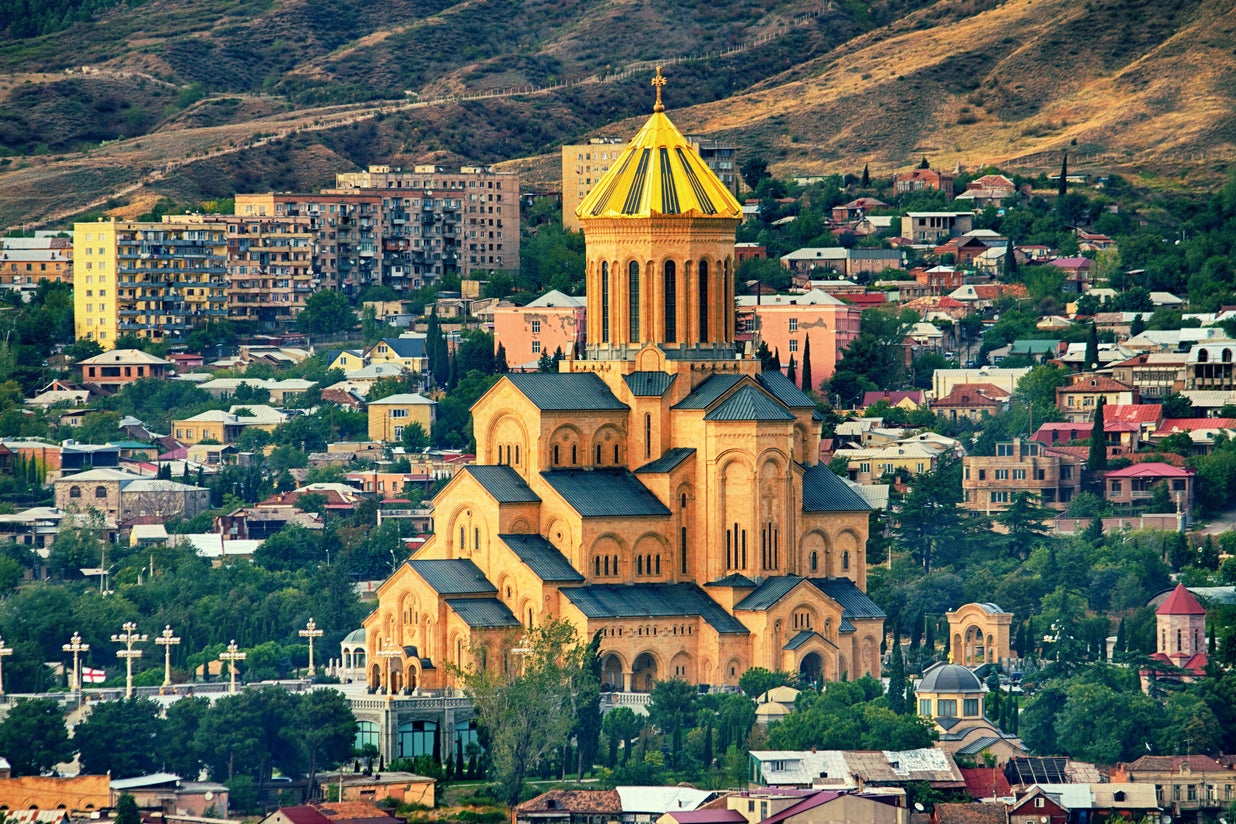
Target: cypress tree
[(1093, 533), (1098, 440), (708, 757), (808, 386), (923, 164), (1092, 348), (1010, 262), (1138, 325), (896, 675), (792, 371), (1064, 176), (911, 698), (1212, 645), (1122, 637), (500, 366), (866, 181), (930, 643)]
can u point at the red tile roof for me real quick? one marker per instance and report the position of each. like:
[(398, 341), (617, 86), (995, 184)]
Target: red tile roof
[(1132, 412), (986, 782), (1094, 383), (984, 395), (354, 811), (303, 815), (1151, 469), (1170, 425), (893, 397), (575, 801), (1173, 763), (1180, 602)]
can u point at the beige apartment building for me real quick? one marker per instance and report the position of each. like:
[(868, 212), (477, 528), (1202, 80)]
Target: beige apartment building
[(990, 482), (583, 164), (153, 280)]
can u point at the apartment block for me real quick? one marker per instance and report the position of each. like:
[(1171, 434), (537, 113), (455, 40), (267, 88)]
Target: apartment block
[(719, 156), (153, 280), (583, 164), (935, 227), (24, 261), (990, 482)]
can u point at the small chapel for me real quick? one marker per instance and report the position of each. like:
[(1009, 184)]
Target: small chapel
[(660, 489)]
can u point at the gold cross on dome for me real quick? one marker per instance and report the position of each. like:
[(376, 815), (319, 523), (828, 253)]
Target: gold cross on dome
[(658, 82)]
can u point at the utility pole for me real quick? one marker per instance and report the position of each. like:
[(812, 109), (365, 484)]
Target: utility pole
[(230, 656), (128, 637), (167, 640), (76, 647), (311, 631)]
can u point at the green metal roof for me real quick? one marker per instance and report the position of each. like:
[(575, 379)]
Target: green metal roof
[(652, 601), (784, 390), (667, 462), (823, 491), (565, 391), (455, 576), (542, 557), (749, 404), (483, 612), (649, 384), (504, 484), (604, 493), (704, 395)]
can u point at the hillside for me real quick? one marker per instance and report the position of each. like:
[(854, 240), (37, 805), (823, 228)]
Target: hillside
[(194, 99)]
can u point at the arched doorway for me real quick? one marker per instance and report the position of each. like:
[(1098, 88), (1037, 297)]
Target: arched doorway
[(611, 673), (812, 668), (643, 673)]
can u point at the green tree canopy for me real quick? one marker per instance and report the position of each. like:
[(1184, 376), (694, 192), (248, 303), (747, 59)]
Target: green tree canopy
[(33, 737)]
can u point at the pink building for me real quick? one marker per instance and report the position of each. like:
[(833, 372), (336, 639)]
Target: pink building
[(1134, 485), (786, 322), (551, 322)]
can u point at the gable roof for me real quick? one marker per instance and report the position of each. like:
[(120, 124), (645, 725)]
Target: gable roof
[(970, 813), (668, 462), (986, 782), (648, 384), (652, 601), (784, 390), (542, 557), (123, 356), (410, 347), (565, 391), (575, 801), (404, 399), (854, 602), (1151, 469), (1180, 602), (483, 612), (454, 576), (503, 483), (555, 298), (769, 592), (823, 491), (749, 404), (707, 392), (601, 493)]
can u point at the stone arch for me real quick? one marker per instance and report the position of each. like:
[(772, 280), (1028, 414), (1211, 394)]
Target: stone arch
[(375, 676), (520, 526), (803, 617), (732, 672), (566, 445), (682, 666), (508, 430), (412, 675), (736, 511), (609, 553), (558, 533), (608, 446), (815, 542), (812, 667), (652, 555), (460, 518), (527, 612), (613, 671), (847, 547), (646, 669), (870, 656)]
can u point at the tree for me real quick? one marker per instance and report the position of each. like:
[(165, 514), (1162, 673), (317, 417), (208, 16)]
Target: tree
[(1137, 326), (120, 737), (866, 179), (328, 729), (127, 811), (587, 730), (1010, 262), (1063, 188), (527, 707), (1024, 520), (1176, 405), (808, 383), (1098, 440), (923, 164), (500, 364), (849, 715), (326, 312), (671, 710), (33, 737), (1160, 500), (896, 674), (757, 680), (1092, 348), (620, 726), (754, 169), (414, 438)]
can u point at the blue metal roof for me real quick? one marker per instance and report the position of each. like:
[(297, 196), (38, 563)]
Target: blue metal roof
[(769, 592), (734, 579), (604, 493), (565, 391), (456, 576), (405, 347), (784, 390), (504, 484), (823, 491), (482, 612), (542, 557), (749, 404), (854, 602), (667, 462), (704, 395), (648, 384), (652, 601), (798, 640)]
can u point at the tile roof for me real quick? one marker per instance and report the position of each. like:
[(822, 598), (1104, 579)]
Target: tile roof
[(1151, 469), (574, 801), (1094, 383), (853, 600), (503, 483), (976, 813), (707, 392), (565, 391), (652, 601), (823, 491), (455, 576), (648, 384), (784, 390), (542, 557), (749, 404), (1173, 763), (668, 462), (483, 612), (602, 493), (1180, 602), (1170, 425), (353, 811), (892, 398)]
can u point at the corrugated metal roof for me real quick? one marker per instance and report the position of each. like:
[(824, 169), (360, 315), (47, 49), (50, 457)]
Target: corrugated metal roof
[(846, 626), (769, 592), (648, 384), (734, 579), (404, 347), (854, 601), (565, 391), (784, 390), (978, 745), (542, 557), (667, 462), (823, 491), (652, 601), (798, 640), (707, 392), (504, 484), (749, 404), (604, 493), (483, 612), (455, 576)]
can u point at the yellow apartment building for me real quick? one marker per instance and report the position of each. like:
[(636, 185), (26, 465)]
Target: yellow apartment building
[(583, 164), (389, 416)]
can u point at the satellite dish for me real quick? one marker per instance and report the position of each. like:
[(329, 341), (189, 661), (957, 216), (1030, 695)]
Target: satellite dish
[(1167, 819), (918, 806), (1044, 819), (208, 795)]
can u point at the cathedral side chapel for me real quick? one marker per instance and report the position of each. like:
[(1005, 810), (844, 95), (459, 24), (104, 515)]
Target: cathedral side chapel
[(660, 489)]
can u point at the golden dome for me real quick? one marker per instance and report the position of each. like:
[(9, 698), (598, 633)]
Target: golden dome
[(659, 173)]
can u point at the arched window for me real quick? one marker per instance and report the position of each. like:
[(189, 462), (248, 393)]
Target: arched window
[(639, 564), (815, 561), (463, 539), (517, 454), (647, 435), (658, 563), (100, 492), (597, 563), (605, 301), (671, 301), (1227, 355), (1203, 356), (476, 538), (703, 298), (75, 492), (598, 451), (574, 455), (633, 300), (845, 560), (555, 454), (682, 549)]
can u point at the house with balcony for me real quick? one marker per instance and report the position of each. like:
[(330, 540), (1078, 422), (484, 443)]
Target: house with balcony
[(933, 228), (1078, 400), (1188, 787), (990, 482), (1133, 486)]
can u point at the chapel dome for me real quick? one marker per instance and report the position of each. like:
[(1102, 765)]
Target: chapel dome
[(949, 678)]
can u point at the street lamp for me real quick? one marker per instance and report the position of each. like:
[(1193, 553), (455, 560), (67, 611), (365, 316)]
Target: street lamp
[(129, 637), (231, 655), (388, 651), (4, 651), (76, 647), (311, 631), (167, 640)]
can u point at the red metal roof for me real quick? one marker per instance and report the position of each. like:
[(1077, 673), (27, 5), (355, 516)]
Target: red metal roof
[(1170, 425), (1180, 602), (1132, 412), (1151, 469), (986, 782)]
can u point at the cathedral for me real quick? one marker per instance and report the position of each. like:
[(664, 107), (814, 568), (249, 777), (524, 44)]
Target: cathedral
[(660, 489)]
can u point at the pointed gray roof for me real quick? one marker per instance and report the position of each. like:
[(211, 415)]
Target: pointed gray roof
[(649, 384), (668, 462), (602, 493), (651, 601), (704, 395), (542, 557), (455, 576), (784, 390), (749, 404)]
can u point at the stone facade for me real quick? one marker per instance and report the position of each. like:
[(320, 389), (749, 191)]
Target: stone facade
[(980, 634), (989, 483)]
